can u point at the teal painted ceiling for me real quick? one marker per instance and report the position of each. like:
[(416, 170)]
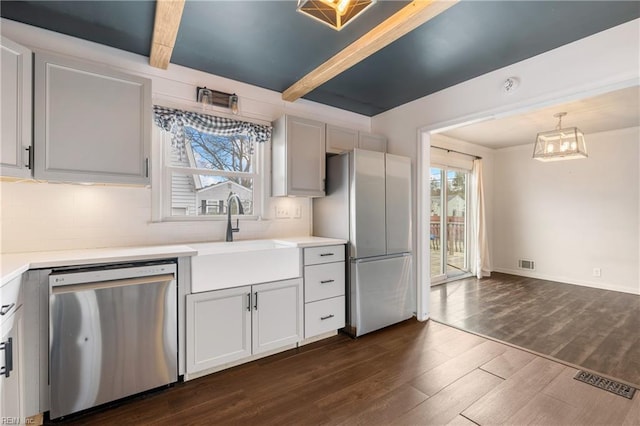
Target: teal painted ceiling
[(270, 45)]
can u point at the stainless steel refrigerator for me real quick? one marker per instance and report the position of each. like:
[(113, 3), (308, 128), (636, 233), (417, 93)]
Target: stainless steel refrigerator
[(368, 202)]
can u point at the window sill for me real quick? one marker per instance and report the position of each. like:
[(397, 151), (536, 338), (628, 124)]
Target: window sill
[(178, 219)]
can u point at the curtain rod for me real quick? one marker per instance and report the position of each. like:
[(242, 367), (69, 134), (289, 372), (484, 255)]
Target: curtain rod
[(457, 152)]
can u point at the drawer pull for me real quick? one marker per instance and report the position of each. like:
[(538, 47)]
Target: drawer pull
[(326, 281), (6, 308), (326, 254), (7, 347), (327, 317)]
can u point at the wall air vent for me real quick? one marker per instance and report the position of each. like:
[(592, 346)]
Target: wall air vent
[(526, 264)]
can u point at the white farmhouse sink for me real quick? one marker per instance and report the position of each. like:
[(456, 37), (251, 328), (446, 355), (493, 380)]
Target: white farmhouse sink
[(224, 265)]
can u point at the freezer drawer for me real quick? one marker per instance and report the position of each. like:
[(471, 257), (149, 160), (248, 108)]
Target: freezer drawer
[(381, 292)]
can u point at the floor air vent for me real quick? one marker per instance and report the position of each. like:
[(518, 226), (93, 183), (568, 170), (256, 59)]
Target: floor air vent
[(526, 264), (606, 384)]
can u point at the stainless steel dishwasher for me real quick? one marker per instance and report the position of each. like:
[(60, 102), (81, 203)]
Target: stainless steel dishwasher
[(112, 333)]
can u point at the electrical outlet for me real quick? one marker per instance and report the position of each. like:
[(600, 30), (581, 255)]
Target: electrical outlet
[(297, 211), (597, 272), (282, 212)]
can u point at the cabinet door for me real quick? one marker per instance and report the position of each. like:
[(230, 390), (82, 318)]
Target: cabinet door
[(277, 314), (305, 157), (92, 124), (372, 142), (218, 327), (11, 387), (340, 140), (15, 91)]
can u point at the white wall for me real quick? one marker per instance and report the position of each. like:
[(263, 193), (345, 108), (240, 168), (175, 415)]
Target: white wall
[(42, 216), (571, 216), (600, 63)]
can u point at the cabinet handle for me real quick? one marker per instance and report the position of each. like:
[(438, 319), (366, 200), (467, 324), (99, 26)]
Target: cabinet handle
[(249, 302), (28, 149), (327, 317), (255, 303), (7, 347), (326, 281), (6, 308), (146, 167), (326, 254)]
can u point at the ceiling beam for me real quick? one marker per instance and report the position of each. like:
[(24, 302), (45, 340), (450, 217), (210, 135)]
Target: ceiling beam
[(402, 22), (165, 31)]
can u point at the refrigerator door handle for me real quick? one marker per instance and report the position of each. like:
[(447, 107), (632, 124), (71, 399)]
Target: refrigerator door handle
[(373, 259)]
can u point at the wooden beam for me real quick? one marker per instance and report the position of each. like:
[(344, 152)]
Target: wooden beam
[(165, 31), (402, 22)]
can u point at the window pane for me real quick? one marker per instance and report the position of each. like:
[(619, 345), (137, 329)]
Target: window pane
[(202, 195), (456, 223), (206, 151), (435, 235)]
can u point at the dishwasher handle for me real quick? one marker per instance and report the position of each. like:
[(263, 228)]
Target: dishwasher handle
[(72, 288)]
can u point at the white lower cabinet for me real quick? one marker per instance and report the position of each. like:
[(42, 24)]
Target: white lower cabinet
[(323, 316), (11, 353), (324, 289), (228, 325)]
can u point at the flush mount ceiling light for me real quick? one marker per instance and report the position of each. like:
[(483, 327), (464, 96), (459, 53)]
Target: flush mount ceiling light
[(335, 13), (560, 144)]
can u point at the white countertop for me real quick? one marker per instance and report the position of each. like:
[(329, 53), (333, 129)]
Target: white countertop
[(14, 264), (303, 242)]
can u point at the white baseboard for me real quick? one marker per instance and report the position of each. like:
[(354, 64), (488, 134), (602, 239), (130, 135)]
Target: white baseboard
[(564, 280)]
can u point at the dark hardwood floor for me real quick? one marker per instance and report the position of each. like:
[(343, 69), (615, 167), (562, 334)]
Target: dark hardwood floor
[(595, 329), (408, 374)]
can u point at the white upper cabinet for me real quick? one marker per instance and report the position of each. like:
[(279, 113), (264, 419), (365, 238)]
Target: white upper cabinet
[(15, 91), (298, 157), (372, 142), (92, 124), (340, 139)]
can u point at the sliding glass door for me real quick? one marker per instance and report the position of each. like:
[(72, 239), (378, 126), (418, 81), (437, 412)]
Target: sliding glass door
[(448, 224)]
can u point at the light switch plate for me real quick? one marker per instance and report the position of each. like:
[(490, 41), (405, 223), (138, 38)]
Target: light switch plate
[(282, 212)]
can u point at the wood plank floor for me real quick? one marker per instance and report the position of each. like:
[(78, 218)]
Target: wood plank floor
[(411, 373), (598, 330)]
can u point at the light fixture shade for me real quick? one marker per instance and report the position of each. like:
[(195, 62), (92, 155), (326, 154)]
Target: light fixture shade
[(334, 13), (560, 144)]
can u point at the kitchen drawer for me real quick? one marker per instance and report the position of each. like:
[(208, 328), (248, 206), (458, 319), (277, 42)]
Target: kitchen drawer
[(323, 316), (326, 254), (10, 297), (323, 281)]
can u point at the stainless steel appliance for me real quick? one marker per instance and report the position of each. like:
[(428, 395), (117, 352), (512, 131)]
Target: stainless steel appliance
[(368, 202), (113, 333)]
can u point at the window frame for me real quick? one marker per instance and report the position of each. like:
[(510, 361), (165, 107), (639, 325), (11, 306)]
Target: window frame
[(162, 194)]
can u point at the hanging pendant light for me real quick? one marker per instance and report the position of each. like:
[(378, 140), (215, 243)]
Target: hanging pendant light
[(560, 144), (334, 13)]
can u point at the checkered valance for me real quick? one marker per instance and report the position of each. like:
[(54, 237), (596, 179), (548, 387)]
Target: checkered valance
[(174, 121)]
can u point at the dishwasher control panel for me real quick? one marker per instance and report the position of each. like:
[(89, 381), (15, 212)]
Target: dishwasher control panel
[(109, 273)]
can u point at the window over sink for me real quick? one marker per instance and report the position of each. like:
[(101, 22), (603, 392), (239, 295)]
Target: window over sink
[(203, 164)]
